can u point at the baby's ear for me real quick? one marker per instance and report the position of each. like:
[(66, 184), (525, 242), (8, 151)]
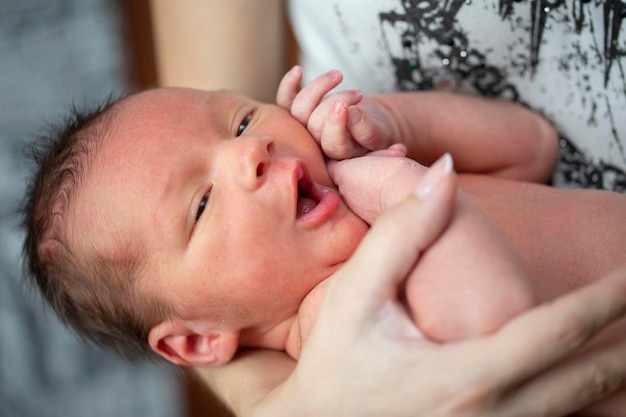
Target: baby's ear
[(185, 343)]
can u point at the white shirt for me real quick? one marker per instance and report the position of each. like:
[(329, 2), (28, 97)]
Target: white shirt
[(560, 57)]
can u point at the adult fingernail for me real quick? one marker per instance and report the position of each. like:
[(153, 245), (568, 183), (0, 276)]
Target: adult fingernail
[(435, 173)]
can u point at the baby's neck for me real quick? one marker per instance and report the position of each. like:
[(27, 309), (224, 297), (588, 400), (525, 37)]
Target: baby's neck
[(269, 337), (290, 334)]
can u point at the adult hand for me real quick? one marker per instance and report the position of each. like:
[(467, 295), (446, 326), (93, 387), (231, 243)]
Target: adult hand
[(364, 357), (345, 123)]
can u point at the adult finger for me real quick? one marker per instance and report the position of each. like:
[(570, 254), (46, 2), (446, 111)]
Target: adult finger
[(551, 332), (393, 245), (573, 385)]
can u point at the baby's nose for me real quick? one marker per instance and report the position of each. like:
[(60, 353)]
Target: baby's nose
[(255, 158)]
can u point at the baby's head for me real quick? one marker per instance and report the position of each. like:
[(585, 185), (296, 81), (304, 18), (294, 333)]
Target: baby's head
[(182, 221), (89, 289)]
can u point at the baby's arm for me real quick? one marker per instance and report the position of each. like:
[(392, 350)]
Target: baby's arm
[(469, 282), (487, 136)]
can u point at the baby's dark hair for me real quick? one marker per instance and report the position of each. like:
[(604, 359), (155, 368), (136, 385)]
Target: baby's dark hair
[(96, 294)]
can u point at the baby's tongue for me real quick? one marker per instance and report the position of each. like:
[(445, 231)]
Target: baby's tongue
[(305, 204)]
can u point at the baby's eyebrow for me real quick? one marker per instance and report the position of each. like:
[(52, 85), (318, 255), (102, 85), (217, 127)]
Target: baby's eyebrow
[(168, 217)]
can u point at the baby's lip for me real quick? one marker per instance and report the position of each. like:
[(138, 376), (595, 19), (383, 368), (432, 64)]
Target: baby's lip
[(314, 203)]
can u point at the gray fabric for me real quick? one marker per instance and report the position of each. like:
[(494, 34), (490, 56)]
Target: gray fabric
[(51, 54)]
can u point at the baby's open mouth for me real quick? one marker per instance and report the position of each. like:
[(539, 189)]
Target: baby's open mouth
[(307, 197), (315, 204)]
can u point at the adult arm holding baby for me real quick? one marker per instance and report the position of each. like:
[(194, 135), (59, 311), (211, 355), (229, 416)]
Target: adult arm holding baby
[(546, 248), (510, 373), (263, 372), (522, 369)]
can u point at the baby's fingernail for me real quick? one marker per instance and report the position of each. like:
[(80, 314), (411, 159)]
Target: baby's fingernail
[(436, 173), (354, 116), (293, 71), (333, 74), (338, 107)]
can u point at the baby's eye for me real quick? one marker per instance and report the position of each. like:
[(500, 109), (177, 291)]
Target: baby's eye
[(202, 205), (244, 124)]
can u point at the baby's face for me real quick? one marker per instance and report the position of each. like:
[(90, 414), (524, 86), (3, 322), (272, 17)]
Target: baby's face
[(230, 198)]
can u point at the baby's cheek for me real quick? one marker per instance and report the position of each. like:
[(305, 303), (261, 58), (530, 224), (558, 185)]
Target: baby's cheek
[(356, 233), (342, 241)]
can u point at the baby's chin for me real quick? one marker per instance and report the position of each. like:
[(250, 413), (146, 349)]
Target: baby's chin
[(356, 232)]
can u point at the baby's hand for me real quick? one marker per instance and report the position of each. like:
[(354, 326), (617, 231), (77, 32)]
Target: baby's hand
[(345, 124), (372, 183)]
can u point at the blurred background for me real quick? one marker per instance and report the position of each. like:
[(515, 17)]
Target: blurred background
[(54, 53)]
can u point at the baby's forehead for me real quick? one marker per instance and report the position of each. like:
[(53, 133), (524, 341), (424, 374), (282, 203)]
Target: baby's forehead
[(166, 97), (164, 109)]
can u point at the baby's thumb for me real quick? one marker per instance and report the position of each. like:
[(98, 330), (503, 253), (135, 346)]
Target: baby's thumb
[(331, 166)]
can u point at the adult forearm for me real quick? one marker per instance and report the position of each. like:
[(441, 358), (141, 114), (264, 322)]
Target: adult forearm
[(246, 385), (214, 44)]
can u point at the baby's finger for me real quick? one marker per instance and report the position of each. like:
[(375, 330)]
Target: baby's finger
[(553, 331), (312, 94), (334, 138), (288, 87), (364, 130), (319, 117)]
